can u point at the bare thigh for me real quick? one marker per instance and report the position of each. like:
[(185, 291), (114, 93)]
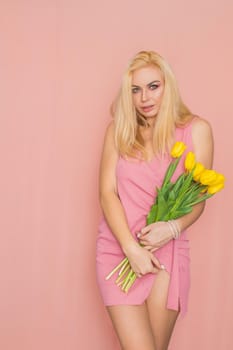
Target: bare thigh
[(162, 319), (132, 325)]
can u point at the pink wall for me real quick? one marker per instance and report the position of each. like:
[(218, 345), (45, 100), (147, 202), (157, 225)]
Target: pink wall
[(60, 66)]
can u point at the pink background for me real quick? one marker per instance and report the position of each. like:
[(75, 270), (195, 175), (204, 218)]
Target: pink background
[(60, 66)]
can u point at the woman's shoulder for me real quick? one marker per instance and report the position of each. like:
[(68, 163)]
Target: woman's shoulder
[(196, 124), (196, 130), (200, 126), (203, 141)]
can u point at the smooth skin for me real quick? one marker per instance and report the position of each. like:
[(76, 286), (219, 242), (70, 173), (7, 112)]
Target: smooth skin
[(148, 326)]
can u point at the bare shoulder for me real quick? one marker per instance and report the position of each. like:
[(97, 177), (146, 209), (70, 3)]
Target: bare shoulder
[(203, 141), (201, 126)]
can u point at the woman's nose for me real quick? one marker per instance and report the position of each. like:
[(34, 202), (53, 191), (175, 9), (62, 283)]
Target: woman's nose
[(144, 95)]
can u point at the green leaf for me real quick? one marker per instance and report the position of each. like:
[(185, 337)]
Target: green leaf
[(179, 182), (202, 198), (162, 206), (188, 198), (180, 212), (172, 195), (152, 214), (170, 171), (166, 190)]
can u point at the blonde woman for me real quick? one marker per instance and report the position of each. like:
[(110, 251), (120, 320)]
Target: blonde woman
[(148, 117)]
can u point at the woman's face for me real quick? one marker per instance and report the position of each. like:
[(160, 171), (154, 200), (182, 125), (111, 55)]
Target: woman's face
[(147, 90)]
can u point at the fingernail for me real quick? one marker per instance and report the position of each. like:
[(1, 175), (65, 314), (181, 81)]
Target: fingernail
[(162, 267), (138, 235)]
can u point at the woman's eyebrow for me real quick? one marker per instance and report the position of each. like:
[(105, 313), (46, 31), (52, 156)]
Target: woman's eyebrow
[(155, 81)]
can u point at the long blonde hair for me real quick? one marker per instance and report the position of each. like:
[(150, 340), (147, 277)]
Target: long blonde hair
[(173, 112)]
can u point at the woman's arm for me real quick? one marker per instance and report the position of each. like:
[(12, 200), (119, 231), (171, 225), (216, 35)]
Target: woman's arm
[(204, 150), (109, 200), (156, 235), (141, 261)]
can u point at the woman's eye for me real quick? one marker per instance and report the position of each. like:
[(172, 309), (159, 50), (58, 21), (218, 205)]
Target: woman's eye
[(134, 90), (154, 86)]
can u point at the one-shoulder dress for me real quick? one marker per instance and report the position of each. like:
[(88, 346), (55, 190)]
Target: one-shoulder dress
[(137, 181)]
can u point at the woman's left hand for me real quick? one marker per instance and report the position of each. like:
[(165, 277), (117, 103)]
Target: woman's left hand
[(155, 235)]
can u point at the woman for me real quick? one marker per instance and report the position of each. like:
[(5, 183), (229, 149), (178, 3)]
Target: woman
[(148, 117)]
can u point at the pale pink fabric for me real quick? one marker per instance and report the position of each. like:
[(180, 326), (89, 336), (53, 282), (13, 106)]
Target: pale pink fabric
[(137, 182)]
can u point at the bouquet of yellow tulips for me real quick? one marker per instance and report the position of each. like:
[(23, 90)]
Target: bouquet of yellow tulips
[(173, 200)]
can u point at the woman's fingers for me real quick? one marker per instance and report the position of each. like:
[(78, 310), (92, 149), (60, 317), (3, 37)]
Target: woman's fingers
[(140, 234), (148, 247), (148, 241), (153, 249), (156, 262), (144, 242), (155, 270), (145, 230)]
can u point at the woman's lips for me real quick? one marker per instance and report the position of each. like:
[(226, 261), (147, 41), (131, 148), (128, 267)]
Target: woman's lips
[(147, 108)]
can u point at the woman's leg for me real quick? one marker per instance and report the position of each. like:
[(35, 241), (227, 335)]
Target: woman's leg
[(132, 326), (162, 320)]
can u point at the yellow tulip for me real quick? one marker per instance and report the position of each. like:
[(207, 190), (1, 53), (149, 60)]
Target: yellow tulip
[(199, 168), (219, 179), (215, 188), (190, 161), (208, 176), (178, 149)]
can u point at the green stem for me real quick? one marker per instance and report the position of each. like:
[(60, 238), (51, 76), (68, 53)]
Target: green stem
[(123, 267), (170, 171), (120, 283), (116, 268), (127, 279), (120, 277), (132, 280), (201, 199)]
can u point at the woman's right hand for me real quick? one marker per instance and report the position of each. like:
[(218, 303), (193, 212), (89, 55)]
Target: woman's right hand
[(141, 260)]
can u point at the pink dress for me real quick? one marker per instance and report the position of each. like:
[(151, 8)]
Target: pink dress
[(136, 183)]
